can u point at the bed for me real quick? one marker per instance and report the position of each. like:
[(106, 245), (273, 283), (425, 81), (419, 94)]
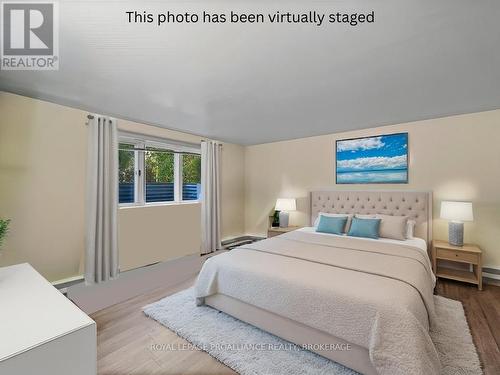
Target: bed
[(367, 304)]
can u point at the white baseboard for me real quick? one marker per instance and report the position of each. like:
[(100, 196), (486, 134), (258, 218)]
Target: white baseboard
[(92, 298), (491, 272), (491, 276), (68, 280)]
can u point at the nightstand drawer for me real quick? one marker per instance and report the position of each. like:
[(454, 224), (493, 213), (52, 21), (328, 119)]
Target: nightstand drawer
[(457, 256)]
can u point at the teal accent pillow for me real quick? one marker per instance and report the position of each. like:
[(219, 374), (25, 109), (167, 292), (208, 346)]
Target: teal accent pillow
[(368, 228), (333, 225)]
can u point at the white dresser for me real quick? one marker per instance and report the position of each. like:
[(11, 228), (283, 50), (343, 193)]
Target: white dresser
[(41, 331)]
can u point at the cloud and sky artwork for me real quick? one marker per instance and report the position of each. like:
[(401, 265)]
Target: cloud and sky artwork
[(373, 160)]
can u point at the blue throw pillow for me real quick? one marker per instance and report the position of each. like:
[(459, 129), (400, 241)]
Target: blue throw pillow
[(330, 224), (368, 228)]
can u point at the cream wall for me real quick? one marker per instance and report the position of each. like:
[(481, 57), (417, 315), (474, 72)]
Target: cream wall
[(42, 184), (43, 150), (232, 191), (456, 157), (156, 233)]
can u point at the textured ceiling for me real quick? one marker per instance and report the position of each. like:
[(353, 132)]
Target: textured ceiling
[(252, 84)]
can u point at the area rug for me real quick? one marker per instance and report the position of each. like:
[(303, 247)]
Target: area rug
[(249, 350)]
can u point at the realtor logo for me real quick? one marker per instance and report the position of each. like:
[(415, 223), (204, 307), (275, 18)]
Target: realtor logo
[(30, 39)]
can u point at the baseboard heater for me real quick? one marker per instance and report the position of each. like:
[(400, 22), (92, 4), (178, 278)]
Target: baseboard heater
[(239, 241)]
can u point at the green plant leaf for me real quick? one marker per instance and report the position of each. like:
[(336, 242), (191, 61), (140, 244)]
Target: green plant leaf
[(4, 229)]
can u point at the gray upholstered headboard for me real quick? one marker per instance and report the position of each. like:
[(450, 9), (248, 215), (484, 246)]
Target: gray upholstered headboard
[(417, 205)]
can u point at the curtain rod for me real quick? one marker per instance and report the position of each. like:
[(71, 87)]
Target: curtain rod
[(145, 137), (159, 150), (218, 143), (91, 117)]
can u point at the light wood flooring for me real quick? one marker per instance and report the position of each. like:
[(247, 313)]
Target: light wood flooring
[(125, 336)]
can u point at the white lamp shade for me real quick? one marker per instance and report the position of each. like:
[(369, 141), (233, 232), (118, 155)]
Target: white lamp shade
[(457, 211), (285, 204)]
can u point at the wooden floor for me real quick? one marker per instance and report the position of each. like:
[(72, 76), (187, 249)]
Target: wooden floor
[(130, 343)]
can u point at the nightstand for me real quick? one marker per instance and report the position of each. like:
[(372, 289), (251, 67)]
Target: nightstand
[(467, 254), (276, 231)]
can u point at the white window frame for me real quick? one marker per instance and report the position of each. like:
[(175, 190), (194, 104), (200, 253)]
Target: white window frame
[(142, 143)]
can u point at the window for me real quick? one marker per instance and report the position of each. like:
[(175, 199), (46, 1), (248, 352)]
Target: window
[(191, 177), (159, 175), (126, 173), (155, 172)]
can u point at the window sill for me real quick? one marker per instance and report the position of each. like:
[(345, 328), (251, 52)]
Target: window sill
[(158, 204)]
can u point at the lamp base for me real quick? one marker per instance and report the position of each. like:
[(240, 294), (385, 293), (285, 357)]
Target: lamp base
[(456, 233), (283, 219)]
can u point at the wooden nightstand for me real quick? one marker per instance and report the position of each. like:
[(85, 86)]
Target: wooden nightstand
[(468, 254), (276, 231)]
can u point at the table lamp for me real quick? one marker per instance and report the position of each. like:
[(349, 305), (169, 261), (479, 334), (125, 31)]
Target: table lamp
[(283, 205), (456, 213)]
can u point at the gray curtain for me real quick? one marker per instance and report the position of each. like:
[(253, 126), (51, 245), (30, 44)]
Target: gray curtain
[(101, 249), (210, 196)]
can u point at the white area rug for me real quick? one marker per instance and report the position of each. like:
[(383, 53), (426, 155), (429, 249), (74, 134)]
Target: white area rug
[(249, 350)]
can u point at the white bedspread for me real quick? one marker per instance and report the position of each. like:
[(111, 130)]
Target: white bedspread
[(375, 294)]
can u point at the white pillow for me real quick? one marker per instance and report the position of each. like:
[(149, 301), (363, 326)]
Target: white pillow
[(366, 216), (410, 229), (347, 225)]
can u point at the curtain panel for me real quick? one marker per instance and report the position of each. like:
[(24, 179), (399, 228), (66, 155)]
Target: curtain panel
[(101, 244), (210, 196)]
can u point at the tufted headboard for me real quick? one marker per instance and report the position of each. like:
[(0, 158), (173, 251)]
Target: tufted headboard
[(417, 205)]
